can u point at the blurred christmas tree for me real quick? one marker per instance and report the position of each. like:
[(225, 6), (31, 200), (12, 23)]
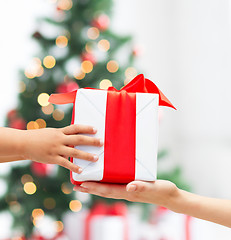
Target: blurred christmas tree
[(78, 50)]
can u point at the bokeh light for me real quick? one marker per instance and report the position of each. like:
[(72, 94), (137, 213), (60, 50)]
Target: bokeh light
[(105, 84), (49, 61), (15, 207), (48, 109), (43, 99), (93, 33), (32, 125), (88, 47), (75, 205), (112, 66), (22, 87), (29, 188), (65, 4), (59, 226), (26, 178), (58, 114), (41, 123), (130, 72), (49, 203), (104, 45), (66, 188), (61, 41), (34, 69), (86, 66), (79, 75), (37, 213)]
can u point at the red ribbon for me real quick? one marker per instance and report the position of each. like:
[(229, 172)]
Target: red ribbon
[(120, 137), (101, 209), (138, 84), (120, 127)]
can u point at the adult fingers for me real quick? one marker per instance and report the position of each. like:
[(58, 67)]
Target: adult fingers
[(77, 128), (84, 140), (69, 165), (76, 153), (139, 186), (104, 190)]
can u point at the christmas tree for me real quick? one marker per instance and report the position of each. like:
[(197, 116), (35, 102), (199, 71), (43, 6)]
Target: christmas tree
[(82, 52)]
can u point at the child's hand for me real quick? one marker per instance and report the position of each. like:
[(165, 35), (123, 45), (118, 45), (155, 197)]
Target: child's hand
[(54, 146), (160, 192)]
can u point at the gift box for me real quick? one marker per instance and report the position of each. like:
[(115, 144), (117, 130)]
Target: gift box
[(127, 122)]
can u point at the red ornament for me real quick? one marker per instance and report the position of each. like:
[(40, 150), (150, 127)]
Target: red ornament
[(41, 169), (101, 22), (17, 123), (137, 51), (12, 114), (67, 87), (88, 57)]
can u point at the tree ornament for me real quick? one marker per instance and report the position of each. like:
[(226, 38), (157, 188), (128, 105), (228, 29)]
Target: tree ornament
[(37, 35), (68, 86), (85, 56), (101, 22), (18, 123), (41, 169)]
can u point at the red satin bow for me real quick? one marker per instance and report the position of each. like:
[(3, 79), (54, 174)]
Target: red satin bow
[(138, 85)]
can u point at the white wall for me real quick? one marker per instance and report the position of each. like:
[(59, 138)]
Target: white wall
[(187, 53)]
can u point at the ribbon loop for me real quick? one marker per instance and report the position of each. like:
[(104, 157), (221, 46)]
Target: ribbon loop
[(138, 84)]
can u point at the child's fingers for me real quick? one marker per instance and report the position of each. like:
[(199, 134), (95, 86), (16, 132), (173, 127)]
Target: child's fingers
[(75, 129), (69, 165), (76, 153), (84, 140)]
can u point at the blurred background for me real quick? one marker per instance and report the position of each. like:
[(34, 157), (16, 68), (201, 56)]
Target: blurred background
[(57, 46)]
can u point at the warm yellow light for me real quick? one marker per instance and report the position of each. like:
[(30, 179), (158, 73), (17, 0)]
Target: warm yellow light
[(104, 45), (40, 71), (30, 188), (49, 203), (59, 226), (58, 114), (88, 47), (49, 61), (41, 123), (48, 109), (65, 4), (34, 69), (26, 178), (22, 87), (86, 66), (37, 213), (105, 84), (61, 41), (15, 206), (75, 205), (79, 75), (93, 33), (43, 99), (66, 188), (32, 125), (112, 66), (130, 72)]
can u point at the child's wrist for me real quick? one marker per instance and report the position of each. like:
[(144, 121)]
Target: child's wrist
[(22, 144)]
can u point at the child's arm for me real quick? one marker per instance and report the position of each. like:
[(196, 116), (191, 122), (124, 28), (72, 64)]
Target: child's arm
[(166, 194), (48, 145)]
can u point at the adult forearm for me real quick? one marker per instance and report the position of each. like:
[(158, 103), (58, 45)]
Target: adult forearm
[(210, 209), (11, 142)]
